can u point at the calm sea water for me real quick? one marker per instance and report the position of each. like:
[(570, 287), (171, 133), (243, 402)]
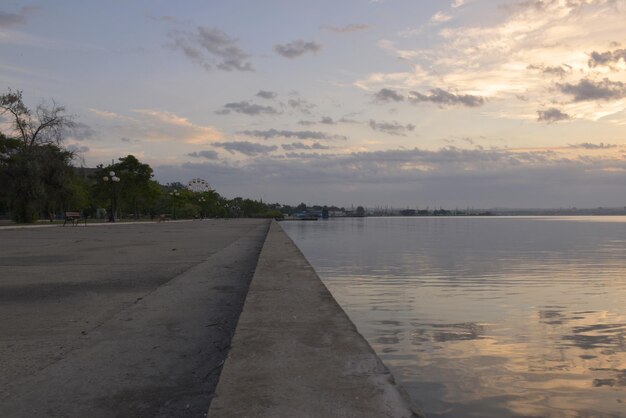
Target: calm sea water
[(486, 317)]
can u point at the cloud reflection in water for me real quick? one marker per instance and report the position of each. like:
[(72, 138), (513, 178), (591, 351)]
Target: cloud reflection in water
[(486, 317)]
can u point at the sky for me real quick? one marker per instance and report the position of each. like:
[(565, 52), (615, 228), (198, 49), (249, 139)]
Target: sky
[(405, 103)]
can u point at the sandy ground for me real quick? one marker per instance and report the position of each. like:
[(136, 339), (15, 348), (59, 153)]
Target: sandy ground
[(120, 320)]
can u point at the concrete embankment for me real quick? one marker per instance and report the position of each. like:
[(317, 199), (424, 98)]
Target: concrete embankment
[(295, 353)]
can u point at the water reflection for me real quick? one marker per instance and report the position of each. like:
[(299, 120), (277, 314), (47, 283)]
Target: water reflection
[(447, 332), (486, 317)]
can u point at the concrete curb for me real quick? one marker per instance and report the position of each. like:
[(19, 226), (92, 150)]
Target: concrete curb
[(91, 224), (296, 353)]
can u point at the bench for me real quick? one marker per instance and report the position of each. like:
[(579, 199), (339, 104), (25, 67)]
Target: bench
[(164, 217), (73, 217)]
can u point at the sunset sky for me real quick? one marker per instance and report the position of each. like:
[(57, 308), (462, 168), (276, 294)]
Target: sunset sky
[(478, 103)]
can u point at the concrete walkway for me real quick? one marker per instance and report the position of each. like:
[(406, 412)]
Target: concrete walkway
[(131, 321), (296, 354)]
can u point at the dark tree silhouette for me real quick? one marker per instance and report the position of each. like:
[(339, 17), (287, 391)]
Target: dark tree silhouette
[(36, 170)]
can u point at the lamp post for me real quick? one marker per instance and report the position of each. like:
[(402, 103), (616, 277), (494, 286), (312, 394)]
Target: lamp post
[(174, 196), (112, 179)]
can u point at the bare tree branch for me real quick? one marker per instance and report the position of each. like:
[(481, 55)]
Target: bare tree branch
[(46, 126)]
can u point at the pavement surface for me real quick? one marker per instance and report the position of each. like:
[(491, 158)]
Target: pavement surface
[(295, 353), (121, 320)]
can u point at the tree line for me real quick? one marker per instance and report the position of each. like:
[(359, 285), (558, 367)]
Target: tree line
[(39, 178)]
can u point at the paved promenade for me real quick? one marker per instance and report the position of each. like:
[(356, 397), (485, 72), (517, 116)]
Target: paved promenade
[(120, 320)]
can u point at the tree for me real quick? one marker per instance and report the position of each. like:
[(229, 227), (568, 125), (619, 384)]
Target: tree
[(38, 180), (136, 191), (8, 148), (36, 170), (151, 197), (45, 125), (62, 189), (136, 177), (252, 208), (210, 203)]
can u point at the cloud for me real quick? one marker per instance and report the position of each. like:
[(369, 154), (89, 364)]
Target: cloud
[(297, 48), (179, 127), (324, 120), (442, 98), (304, 155), (15, 19), (327, 120), (488, 58), (568, 6), (266, 94), (105, 114), (589, 145), (164, 18), (273, 133), (211, 48), (607, 58), (555, 69), (11, 19), (440, 17), (391, 128), (552, 115), (301, 105), (449, 176), (388, 95), (300, 146), (558, 70), (457, 3), (247, 108), (348, 120), (402, 54), (250, 149), (157, 126), (81, 131), (209, 155), (353, 27), (77, 149), (587, 89)]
